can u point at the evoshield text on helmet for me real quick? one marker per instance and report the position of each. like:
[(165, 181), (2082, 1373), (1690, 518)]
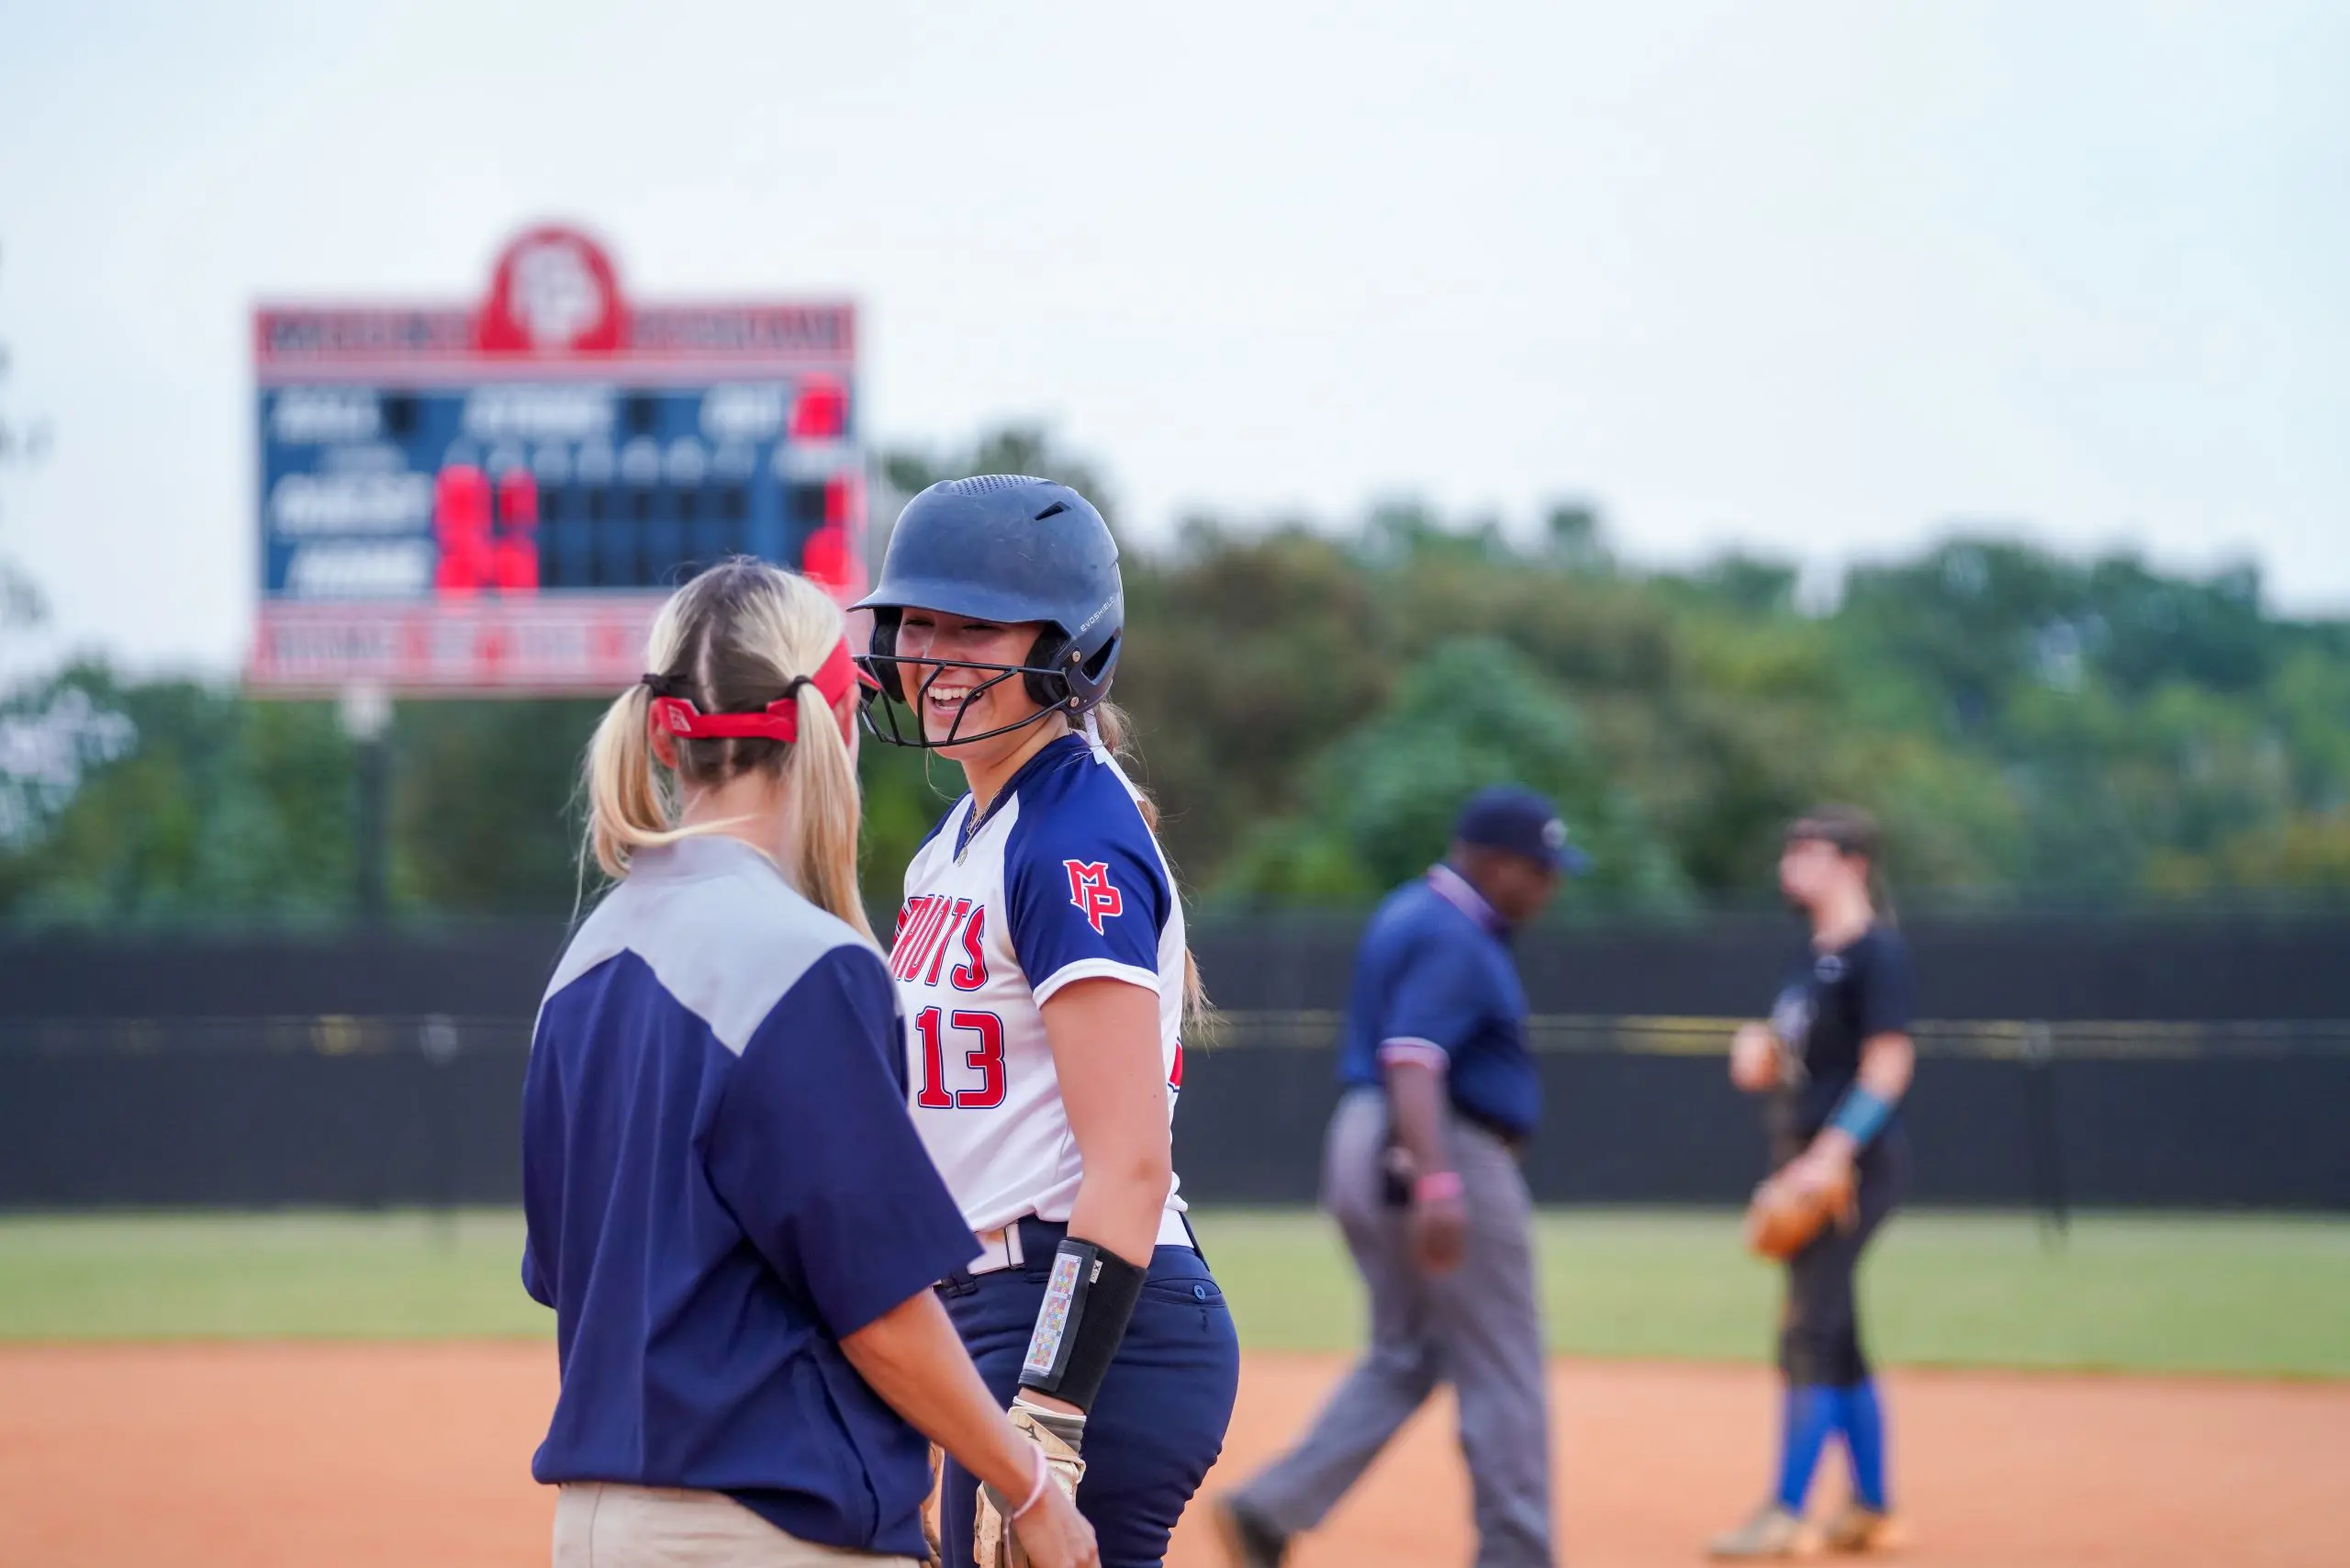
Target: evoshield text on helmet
[(1008, 548)]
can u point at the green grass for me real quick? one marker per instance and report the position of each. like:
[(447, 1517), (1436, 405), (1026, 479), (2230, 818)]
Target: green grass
[(316, 1275), (2168, 1293)]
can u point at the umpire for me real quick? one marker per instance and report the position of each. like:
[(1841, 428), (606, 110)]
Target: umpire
[(1420, 1170)]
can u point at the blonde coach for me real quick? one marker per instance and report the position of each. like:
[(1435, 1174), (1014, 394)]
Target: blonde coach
[(728, 1208)]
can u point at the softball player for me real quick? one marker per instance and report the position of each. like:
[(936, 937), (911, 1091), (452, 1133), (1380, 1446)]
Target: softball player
[(1040, 959), (728, 1210), (1836, 1057), (1420, 1170)]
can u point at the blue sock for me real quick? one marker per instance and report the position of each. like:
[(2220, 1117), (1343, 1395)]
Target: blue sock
[(1862, 1421), (1808, 1417)]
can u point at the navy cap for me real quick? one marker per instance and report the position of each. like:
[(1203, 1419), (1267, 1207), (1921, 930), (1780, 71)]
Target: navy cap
[(1513, 818)]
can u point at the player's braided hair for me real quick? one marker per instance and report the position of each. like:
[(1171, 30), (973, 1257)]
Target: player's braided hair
[(731, 641), (1110, 722)]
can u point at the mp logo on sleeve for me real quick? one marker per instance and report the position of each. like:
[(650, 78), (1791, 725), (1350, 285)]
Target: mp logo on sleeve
[(1090, 890)]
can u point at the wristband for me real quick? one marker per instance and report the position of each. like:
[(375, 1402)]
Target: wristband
[(1088, 1296), (1035, 1487), (1861, 1114), (1436, 1186)]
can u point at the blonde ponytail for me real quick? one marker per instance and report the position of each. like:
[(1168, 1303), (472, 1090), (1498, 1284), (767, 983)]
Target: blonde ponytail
[(826, 810), (1110, 725), (632, 804), (731, 641), (626, 803)]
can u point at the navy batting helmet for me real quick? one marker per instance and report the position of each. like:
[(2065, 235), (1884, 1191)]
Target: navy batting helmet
[(1009, 548)]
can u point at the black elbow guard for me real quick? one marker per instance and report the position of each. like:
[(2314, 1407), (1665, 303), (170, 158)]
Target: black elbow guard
[(1088, 1299)]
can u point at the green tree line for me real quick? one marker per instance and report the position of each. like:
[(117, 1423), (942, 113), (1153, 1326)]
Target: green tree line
[(1312, 702)]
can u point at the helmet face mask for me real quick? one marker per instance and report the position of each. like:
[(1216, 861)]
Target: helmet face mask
[(885, 701), (1008, 549)]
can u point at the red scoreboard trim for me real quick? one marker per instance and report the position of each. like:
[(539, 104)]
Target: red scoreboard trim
[(554, 311), (296, 346), (592, 645), (547, 645)]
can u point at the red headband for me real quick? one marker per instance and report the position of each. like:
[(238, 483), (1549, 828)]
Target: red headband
[(779, 720)]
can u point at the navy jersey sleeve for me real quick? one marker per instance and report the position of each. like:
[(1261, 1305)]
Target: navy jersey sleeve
[(542, 1137), (814, 1152), (1884, 1004), (1435, 1003), (1089, 894), (534, 1282)]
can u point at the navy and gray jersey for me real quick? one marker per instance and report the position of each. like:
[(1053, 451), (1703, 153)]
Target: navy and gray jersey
[(1831, 1005), (720, 1184)]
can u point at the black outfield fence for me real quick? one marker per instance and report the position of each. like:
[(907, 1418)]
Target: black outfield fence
[(2053, 1115), (2183, 971), (2169, 1065)]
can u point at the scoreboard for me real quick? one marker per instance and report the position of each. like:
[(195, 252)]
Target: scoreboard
[(498, 496)]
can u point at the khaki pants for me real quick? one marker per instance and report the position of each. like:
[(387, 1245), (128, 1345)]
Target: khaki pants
[(603, 1525)]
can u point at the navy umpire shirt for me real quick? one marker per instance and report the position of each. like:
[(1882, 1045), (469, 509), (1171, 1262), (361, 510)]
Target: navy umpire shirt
[(1434, 981), (721, 1182)]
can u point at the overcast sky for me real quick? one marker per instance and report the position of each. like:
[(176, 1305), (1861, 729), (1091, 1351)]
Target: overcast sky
[(1818, 279)]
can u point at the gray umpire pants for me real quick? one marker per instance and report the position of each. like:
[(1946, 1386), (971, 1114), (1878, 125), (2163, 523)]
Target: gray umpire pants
[(1479, 1329)]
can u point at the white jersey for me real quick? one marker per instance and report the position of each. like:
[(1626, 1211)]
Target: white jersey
[(1060, 881)]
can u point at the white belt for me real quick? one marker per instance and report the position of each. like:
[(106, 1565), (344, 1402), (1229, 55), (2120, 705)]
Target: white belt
[(999, 1250)]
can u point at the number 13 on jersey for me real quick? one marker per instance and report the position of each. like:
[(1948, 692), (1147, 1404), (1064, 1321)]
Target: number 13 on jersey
[(983, 1056)]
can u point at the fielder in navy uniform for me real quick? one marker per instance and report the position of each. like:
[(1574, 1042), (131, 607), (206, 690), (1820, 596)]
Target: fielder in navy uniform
[(1421, 1172), (1835, 1059), (728, 1209)]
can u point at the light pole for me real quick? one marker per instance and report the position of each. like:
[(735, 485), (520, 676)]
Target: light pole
[(366, 712)]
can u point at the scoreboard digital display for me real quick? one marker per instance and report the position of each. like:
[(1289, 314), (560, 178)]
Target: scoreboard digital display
[(498, 498)]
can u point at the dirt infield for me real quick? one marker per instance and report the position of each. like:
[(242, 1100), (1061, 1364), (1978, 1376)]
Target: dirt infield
[(311, 1456)]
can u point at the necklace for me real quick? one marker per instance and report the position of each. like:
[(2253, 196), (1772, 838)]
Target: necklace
[(976, 821), (981, 818)]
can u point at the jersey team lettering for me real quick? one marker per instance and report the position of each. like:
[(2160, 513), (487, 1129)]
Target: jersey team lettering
[(1089, 888), (928, 927)]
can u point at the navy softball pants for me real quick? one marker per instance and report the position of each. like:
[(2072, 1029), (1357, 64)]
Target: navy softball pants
[(1159, 1422)]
